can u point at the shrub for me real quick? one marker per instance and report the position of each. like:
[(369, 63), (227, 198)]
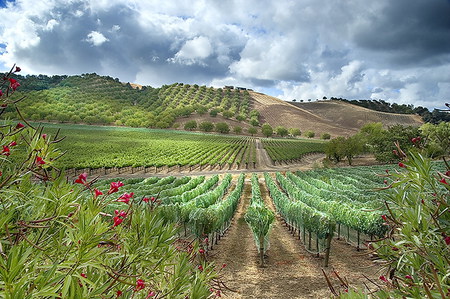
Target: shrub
[(64, 240), (237, 130), (325, 136), (222, 128), (252, 130), (206, 126), (190, 125), (310, 134), (267, 130)]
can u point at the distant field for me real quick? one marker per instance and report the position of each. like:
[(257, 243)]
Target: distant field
[(96, 147)]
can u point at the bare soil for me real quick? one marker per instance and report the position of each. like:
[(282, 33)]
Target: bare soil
[(290, 271)]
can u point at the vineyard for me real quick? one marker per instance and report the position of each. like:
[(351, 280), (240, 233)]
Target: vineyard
[(289, 151), (105, 149), (316, 205)]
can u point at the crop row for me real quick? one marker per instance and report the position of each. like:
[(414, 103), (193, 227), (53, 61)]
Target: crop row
[(288, 150)]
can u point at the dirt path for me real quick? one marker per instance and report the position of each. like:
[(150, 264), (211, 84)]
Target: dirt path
[(290, 271)]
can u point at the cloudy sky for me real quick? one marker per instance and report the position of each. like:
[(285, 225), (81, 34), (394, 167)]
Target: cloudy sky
[(396, 50)]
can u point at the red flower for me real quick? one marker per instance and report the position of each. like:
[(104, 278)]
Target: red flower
[(18, 69), (19, 126), (117, 221), (125, 197), (201, 251), (200, 267), (400, 164), (114, 187), (119, 293), (146, 199), (13, 143), (81, 178), (408, 276), (140, 285), (97, 193), (150, 294), (122, 214), (443, 181), (385, 182), (6, 151), (395, 152), (153, 199), (382, 278), (384, 217), (224, 265), (40, 161), (447, 240), (44, 136), (83, 275), (13, 83)]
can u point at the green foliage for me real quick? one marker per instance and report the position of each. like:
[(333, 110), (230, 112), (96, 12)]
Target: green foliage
[(417, 248), (237, 130), (295, 132), (61, 240), (190, 125), (325, 136), (283, 150), (227, 114), (281, 131), (222, 128), (438, 138), (206, 126), (267, 130), (259, 217), (213, 112), (310, 134), (252, 130), (97, 147)]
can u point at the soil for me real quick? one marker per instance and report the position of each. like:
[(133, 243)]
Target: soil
[(289, 271)]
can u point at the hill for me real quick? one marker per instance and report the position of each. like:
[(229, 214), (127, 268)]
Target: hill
[(94, 99), (350, 117)]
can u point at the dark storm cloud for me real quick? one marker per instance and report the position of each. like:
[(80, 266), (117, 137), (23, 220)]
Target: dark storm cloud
[(395, 50), (409, 32)]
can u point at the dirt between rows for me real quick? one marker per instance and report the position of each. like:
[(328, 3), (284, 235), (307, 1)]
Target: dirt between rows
[(290, 271)]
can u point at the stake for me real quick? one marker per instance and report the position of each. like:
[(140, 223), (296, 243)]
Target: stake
[(327, 250)]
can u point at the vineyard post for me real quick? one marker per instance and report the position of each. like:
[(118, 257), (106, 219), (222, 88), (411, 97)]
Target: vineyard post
[(339, 231), (309, 240), (317, 244), (327, 250), (357, 234)]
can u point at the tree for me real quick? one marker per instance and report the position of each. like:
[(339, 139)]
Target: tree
[(222, 128), (237, 130), (254, 122), (213, 112), (190, 125), (227, 114), (310, 134), (267, 130), (201, 109), (295, 132), (206, 126), (281, 131), (252, 130), (438, 137), (325, 136)]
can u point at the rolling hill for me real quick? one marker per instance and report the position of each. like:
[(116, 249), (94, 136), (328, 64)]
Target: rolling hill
[(94, 99)]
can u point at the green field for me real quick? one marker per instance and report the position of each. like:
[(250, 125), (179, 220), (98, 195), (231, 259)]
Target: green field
[(98, 146)]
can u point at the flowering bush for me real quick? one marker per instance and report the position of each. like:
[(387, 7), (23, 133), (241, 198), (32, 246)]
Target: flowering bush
[(56, 240)]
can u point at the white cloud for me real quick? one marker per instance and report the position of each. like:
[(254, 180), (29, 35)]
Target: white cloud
[(96, 38), (306, 49), (193, 51)]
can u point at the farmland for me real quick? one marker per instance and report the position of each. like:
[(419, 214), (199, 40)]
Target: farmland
[(96, 147)]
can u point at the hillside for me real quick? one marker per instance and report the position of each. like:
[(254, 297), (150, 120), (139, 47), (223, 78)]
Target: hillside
[(94, 99), (350, 116)]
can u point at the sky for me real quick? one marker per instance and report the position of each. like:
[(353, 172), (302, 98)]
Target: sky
[(397, 51)]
